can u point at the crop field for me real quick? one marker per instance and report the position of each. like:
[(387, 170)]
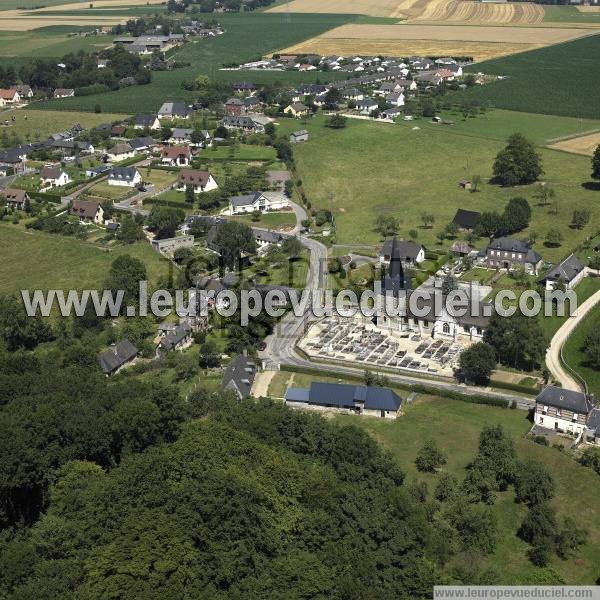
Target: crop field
[(461, 11), (398, 182), (15, 19), (532, 83), (254, 35), (585, 144), (374, 8), (38, 124), (570, 14), (478, 41)]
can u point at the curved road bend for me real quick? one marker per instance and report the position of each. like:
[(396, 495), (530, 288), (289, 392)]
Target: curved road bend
[(553, 361)]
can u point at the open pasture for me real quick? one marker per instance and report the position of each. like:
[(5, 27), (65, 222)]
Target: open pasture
[(413, 168)]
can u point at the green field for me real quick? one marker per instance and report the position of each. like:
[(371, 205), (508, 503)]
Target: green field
[(498, 124), (38, 124), (574, 354), (44, 43), (248, 36), (455, 426), (369, 169), (556, 80), (35, 260), (569, 14)]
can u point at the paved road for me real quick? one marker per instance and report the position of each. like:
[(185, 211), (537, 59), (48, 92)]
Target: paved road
[(280, 348), (560, 337)]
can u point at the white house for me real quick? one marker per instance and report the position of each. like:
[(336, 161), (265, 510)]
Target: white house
[(125, 177), (53, 176), (563, 410), (257, 201), (410, 252), (570, 271), (144, 121), (10, 96), (176, 156), (202, 181), (120, 152)]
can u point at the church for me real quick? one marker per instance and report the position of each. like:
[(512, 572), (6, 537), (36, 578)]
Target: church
[(427, 317)]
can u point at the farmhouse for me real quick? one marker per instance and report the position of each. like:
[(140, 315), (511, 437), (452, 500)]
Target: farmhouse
[(507, 253), (25, 91), (88, 211), (570, 272), (460, 248), (297, 109), (15, 198), (64, 93), (202, 181), (120, 354), (146, 122), (10, 96), (410, 252), (466, 219), (120, 152), (299, 136), (124, 176), (257, 201), (53, 176), (563, 410), (174, 110), (177, 156), (239, 376), (346, 398)]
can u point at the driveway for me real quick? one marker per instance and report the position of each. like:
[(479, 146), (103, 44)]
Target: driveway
[(553, 361)]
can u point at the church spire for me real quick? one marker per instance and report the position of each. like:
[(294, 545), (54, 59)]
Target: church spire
[(396, 271)]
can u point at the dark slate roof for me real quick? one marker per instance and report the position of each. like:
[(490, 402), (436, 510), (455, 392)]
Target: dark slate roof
[(268, 236), (506, 244), (577, 402), (123, 173), (594, 421), (178, 335), (145, 120), (568, 269), (343, 395), (406, 249), (118, 355), (141, 143), (246, 199), (466, 219), (239, 376)]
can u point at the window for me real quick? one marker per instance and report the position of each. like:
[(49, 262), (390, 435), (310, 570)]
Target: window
[(425, 323), (446, 328), (558, 412), (479, 331), (541, 419)]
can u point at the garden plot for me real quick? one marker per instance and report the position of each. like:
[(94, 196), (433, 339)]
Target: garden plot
[(358, 340)]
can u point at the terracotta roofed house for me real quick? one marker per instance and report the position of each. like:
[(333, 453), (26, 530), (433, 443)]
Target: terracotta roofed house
[(176, 156)]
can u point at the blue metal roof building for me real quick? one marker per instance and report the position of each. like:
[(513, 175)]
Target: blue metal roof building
[(370, 400)]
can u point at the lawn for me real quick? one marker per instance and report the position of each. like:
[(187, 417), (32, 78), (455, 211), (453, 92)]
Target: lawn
[(574, 354), (32, 125), (248, 36), (456, 427), (556, 80), (116, 193), (368, 169), (241, 152), (37, 260), (289, 273), (270, 220)]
